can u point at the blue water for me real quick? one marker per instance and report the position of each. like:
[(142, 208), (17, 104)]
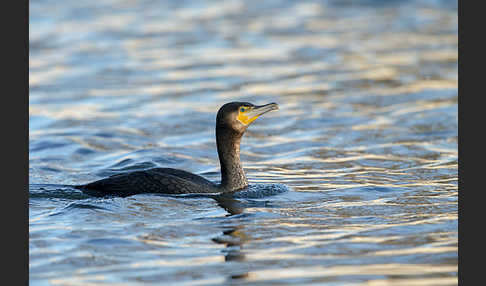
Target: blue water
[(364, 143)]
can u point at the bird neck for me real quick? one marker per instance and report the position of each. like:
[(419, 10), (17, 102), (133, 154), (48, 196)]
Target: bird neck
[(232, 175)]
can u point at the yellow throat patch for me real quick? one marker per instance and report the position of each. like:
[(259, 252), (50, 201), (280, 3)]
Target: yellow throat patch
[(244, 118)]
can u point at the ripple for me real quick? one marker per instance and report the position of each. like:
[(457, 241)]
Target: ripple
[(354, 180)]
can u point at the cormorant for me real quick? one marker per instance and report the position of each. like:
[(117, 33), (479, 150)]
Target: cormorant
[(232, 121)]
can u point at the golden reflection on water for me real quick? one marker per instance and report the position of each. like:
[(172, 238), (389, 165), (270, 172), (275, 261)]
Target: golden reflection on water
[(366, 136), (373, 270)]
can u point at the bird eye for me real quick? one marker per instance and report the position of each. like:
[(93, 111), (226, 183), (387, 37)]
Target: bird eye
[(242, 109)]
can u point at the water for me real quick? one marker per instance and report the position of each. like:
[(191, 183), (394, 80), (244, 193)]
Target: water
[(365, 139)]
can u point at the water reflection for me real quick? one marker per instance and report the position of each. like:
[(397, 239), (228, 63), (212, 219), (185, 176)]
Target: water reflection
[(233, 237), (366, 136), (231, 205)]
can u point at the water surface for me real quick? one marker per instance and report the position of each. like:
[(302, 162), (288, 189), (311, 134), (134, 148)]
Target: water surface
[(365, 138)]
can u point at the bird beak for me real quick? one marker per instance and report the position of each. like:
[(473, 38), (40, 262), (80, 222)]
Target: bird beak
[(250, 115), (261, 109)]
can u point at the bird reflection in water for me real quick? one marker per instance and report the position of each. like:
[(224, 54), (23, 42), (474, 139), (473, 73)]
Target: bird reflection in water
[(233, 236)]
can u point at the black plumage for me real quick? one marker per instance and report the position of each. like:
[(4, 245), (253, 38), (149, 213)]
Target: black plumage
[(232, 121)]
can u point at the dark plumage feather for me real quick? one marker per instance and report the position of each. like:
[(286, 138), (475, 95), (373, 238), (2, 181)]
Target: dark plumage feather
[(158, 180), (229, 130)]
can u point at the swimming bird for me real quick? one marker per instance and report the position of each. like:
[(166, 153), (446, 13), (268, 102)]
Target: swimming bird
[(232, 120)]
